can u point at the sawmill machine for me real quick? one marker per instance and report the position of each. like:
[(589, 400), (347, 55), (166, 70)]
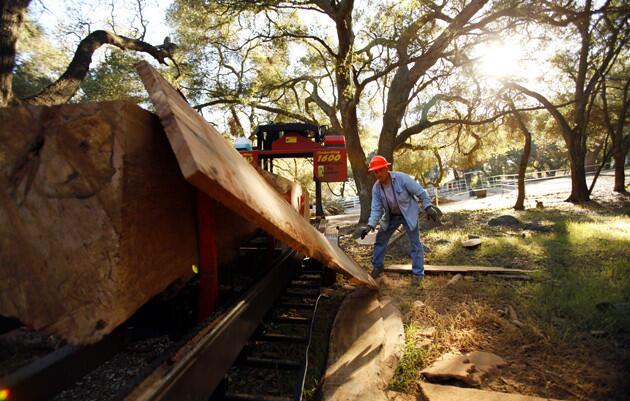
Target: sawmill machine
[(300, 140)]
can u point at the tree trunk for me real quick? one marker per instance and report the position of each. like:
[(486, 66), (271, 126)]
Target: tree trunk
[(11, 20), (397, 101), (579, 189), (348, 97), (362, 177), (403, 82), (575, 139), (619, 155), (621, 144), (522, 167)]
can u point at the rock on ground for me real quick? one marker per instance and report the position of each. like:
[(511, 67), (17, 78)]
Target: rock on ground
[(470, 368), (505, 220)]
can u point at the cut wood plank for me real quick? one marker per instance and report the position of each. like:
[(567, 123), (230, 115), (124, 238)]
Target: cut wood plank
[(366, 343), (95, 217), (455, 269), (370, 239), (212, 165), (436, 392), (291, 191), (505, 276)]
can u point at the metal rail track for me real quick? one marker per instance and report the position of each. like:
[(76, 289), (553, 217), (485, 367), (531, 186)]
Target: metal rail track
[(50, 374), (199, 366), (277, 353)]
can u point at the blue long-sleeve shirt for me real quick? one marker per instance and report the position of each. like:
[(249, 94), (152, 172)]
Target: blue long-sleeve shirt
[(405, 188)]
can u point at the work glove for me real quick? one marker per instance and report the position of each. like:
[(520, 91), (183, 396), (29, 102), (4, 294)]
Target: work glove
[(366, 231), (433, 213)]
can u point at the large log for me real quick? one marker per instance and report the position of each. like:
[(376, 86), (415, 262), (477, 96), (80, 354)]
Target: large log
[(95, 216), (214, 167)]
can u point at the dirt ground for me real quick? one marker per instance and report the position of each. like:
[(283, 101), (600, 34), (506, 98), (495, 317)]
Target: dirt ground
[(477, 314)]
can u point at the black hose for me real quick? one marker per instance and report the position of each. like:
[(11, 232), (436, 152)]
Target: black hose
[(298, 396)]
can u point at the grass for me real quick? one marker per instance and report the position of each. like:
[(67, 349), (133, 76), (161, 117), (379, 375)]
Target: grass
[(575, 314), (587, 263), (412, 360), (582, 263)]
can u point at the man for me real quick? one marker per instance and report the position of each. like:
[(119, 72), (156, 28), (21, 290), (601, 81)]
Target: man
[(394, 197)]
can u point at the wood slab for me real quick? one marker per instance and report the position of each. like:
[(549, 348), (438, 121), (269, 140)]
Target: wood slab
[(211, 164), (291, 191), (436, 392), (455, 269), (95, 217), (370, 239), (366, 343)]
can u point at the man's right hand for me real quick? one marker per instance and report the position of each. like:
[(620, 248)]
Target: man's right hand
[(366, 231)]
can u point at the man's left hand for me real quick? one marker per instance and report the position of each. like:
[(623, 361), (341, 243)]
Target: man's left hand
[(433, 213), (366, 230)]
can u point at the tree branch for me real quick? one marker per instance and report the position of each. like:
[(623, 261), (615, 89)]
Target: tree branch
[(551, 108), (424, 123), (68, 84), (329, 110)]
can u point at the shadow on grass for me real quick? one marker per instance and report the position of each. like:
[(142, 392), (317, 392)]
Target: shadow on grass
[(583, 270)]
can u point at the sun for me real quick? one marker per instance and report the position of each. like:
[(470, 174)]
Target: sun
[(500, 60)]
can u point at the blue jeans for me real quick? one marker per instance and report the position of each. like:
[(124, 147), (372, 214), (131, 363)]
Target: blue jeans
[(382, 238)]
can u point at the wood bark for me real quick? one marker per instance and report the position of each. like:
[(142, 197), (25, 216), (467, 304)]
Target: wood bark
[(95, 216)]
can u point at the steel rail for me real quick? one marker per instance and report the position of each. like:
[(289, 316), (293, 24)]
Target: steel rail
[(233, 389), (46, 376), (198, 371)]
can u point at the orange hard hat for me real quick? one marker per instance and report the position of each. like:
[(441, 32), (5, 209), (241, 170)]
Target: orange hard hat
[(378, 162)]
